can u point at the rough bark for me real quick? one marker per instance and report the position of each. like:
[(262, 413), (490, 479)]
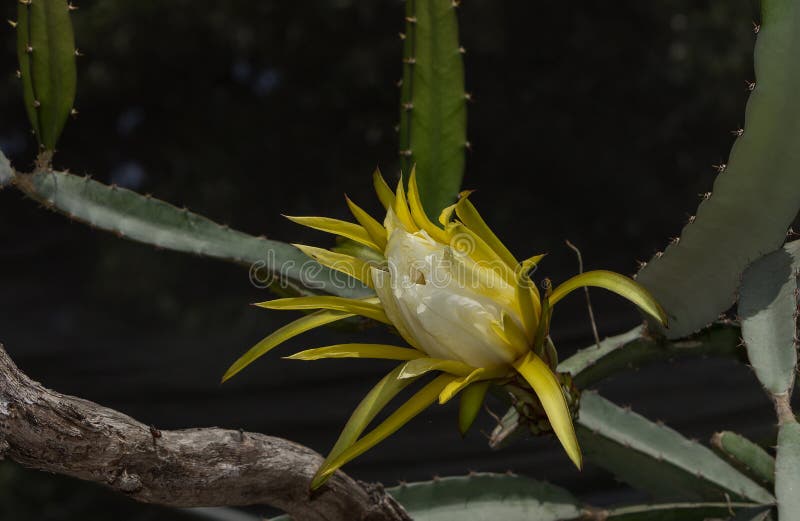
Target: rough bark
[(48, 431)]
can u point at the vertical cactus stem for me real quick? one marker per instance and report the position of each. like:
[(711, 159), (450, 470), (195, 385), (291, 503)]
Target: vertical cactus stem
[(46, 53), (406, 83)]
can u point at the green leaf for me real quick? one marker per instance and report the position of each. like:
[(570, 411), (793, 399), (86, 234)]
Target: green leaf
[(657, 459), (767, 307), (614, 282), (148, 220), (755, 198), (787, 472), (433, 113), (746, 456), (46, 53), (486, 497)]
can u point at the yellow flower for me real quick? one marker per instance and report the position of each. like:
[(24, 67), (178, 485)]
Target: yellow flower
[(462, 302)]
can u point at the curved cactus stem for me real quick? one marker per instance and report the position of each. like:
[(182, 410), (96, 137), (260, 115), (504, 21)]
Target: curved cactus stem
[(756, 196), (655, 458), (486, 496), (750, 459), (677, 511), (145, 219), (635, 349), (433, 105), (768, 308)]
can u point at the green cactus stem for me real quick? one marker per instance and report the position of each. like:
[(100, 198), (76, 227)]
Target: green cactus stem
[(749, 458), (145, 219), (433, 110), (768, 309), (655, 458), (46, 52), (755, 197)]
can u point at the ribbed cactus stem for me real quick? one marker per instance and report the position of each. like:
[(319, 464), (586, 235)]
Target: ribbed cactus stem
[(46, 52)]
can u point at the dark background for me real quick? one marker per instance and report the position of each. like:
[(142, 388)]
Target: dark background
[(592, 122)]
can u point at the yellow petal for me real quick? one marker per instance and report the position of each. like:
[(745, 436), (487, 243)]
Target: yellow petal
[(283, 334), (338, 227), (347, 264), (375, 229), (369, 307), (469, 215), (415, 405), (385, 194), (420, 366), (369, 407), (447, 214), (512, 334), (418, 212), (619, 284), (527, 295), (401, 209), (465, 241), (480, 374), (470, 405), (548, 389), (377, 351)]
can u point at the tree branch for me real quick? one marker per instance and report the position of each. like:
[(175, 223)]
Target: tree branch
[(48, 431)]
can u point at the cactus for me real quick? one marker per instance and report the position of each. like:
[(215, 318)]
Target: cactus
[(768, 309), (488, 497), (749, 458), (677, 512), (485, 497), (46, 52), (634, 349), (149, 220), (787, 477), (656, 458), (433, 112), (756, 196)]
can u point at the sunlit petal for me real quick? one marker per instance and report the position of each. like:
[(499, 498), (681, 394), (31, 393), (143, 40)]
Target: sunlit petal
[(375, 229), (292, 329), (370, 308), (420, 366), (548, 389), (385, 194), (376, 351), (619, 284), (338, 227), (347, 264), (415, 405)]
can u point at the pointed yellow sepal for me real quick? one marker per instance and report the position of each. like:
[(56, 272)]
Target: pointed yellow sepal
[(619, 284), (415, 405), (338, 227), (290, 330), (546, 386), (385, 194), (369, 307), (374, 351), (470, 405), (347, 264)]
